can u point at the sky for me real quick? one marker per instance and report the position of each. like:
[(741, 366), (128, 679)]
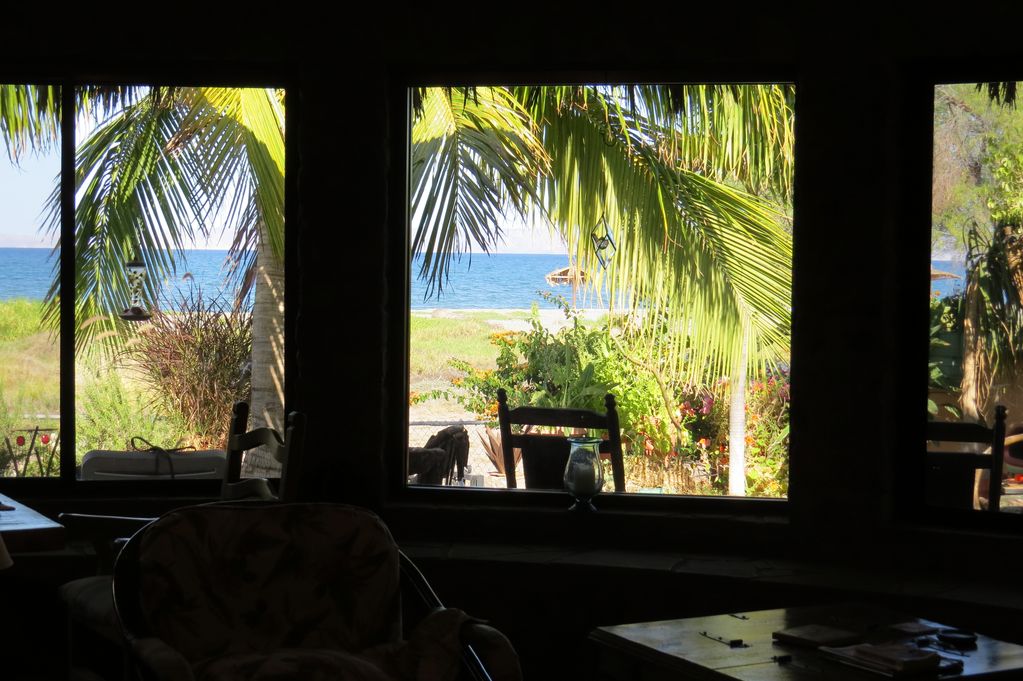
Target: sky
[(23, 192), (520, 237)]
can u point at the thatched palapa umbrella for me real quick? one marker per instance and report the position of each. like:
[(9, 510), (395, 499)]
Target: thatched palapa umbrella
[(567, 275)]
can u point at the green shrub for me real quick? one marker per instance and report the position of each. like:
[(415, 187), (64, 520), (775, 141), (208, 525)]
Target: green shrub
[(675, 433), (767, 436)]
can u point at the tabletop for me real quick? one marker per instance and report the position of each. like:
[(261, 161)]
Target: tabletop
[(740, 646), (24, 529)]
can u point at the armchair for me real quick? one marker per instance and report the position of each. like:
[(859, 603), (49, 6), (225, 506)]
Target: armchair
[(269, 591), (92, 623)]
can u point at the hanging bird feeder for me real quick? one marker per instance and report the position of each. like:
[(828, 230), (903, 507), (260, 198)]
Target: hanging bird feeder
[(135, 312)]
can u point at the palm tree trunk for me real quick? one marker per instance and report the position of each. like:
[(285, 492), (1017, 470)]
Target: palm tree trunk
[(737, 421), (973, 396), (267, 400)]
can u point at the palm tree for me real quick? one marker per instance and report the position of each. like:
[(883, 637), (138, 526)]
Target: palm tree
[(158, 168), (662, 165)]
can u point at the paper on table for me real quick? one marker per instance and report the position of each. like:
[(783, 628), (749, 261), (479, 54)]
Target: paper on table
[(893, 659), (813, 635)]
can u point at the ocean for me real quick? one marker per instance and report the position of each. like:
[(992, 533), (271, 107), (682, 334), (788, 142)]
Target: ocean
[(28, 273), (946, 287), (501, 280)]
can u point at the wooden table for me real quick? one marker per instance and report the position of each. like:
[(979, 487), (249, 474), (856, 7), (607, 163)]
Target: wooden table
[(740, 646), (25, 529)]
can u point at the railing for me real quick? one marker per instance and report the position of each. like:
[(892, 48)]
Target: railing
[(30, 452)]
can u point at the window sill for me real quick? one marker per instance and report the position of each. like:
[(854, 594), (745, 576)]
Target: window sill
[(903, 583), (628, 521)]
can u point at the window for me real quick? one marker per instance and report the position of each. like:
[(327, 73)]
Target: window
[(546, 260), (976, 297), (30, 380), (176, 216)]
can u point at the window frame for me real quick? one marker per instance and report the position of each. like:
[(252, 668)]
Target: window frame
[(511, 507), (910, 510), (66, 485)]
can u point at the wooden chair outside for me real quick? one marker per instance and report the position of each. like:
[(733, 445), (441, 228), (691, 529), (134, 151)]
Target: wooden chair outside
[(952, 476), (287, 451), (544, 456)]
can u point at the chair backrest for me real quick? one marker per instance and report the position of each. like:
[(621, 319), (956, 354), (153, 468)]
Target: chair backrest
[(286, 450), (544, 456), (246, 577), (105, 464), (950, 473)]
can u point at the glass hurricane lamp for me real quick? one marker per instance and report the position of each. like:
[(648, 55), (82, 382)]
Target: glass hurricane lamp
[(584, 476)]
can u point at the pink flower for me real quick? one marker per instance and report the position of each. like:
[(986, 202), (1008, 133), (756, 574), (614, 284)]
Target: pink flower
[(20, 440)]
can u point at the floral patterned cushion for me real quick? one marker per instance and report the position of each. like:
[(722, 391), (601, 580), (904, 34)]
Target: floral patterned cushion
[(224, 580), (308, 665)]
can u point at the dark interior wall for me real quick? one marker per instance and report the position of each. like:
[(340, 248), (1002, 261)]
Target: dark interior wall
[(861, 252), (862, 214)]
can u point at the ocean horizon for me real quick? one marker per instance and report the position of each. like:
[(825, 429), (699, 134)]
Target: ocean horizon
[(28, 273), (499, 281), (482, 281)]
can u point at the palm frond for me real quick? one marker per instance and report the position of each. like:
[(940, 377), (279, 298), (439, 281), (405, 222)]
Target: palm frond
[(157, 173), (706, 254), (29, 119), (730, 132), (473, 158), (132, 199)]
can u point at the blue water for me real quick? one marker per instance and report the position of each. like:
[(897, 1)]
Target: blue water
[(946, 287), (503, 280), (28, 273), (484, 281)]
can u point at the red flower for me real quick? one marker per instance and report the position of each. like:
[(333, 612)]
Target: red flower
[(20, 440), (45, 438), (1019, 477)]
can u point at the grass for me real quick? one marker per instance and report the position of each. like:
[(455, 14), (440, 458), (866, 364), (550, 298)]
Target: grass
[(463, 335), (19, 318), (111, 407), (435, 340), (29, 361)]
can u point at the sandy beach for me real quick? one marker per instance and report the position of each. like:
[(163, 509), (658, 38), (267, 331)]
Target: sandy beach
[(513, 319)]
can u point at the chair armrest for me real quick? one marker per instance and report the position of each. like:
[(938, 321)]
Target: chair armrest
[(492, 650), (247, 488), (157, 661), (101, 527), (103, 532)]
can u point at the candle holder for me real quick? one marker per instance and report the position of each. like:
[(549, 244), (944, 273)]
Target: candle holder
[(584, 476)]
